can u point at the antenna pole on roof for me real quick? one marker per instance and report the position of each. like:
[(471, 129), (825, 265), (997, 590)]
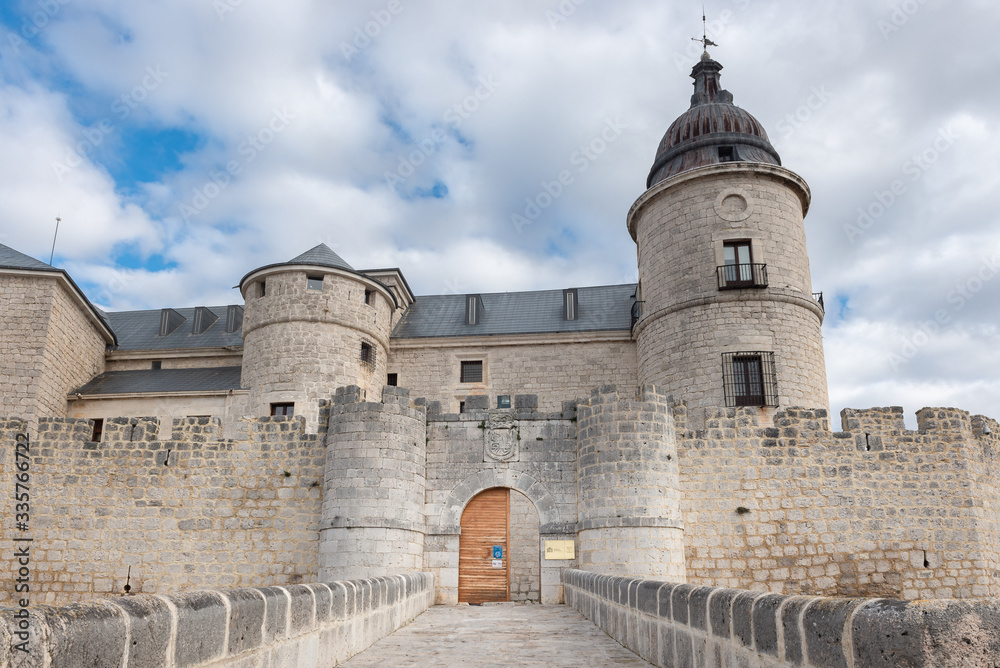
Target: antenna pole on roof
[(54, 236)]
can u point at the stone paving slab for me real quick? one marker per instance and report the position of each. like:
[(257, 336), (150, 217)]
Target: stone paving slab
[(498, 635)]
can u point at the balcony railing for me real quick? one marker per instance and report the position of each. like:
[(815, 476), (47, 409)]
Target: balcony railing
[(636, 312), (818, 296), (732, 276)]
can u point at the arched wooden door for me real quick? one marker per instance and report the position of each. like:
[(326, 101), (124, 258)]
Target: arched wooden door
[(485, 524)]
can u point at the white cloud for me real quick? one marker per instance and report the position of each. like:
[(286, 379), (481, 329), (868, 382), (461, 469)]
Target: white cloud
[(323, 177)]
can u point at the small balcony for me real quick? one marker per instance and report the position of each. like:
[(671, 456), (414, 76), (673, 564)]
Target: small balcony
[(734, 276), (818, 296)]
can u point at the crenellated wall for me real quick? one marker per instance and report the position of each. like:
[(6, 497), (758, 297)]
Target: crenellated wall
[(874, 510), (181, 507)]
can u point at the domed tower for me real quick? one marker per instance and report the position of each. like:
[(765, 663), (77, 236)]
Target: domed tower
[(311, 325), (728, 316)]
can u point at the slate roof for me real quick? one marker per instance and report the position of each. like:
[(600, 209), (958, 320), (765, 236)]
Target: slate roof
[(12, 259), (149, 381), (320, 255), (603, 308), (140, 330)]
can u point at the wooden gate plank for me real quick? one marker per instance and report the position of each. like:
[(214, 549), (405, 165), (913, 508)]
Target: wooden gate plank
[(485, 523)]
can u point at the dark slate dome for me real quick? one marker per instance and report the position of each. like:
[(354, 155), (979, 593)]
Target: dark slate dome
[(713, 130)]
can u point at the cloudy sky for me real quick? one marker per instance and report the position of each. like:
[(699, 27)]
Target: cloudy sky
[(184, 143)]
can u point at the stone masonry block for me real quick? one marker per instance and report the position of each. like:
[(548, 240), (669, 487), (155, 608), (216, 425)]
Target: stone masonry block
[(201, 627)]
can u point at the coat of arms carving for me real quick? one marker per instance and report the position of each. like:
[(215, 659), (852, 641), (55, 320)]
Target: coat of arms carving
[(501, 438)]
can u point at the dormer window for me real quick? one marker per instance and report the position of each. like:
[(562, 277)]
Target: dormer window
[(473, 309), (569, 304), (727, 154)]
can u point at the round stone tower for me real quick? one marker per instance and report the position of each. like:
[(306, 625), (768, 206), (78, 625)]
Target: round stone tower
[(728, 317), (311, 325)]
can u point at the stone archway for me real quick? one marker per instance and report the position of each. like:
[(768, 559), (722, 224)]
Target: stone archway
[(462, 493)]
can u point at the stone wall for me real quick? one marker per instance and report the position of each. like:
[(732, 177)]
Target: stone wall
[(554, 367), (874, 510), (281, 627), (183, 508), (680, 227), (301, 344), (48, 346), (630, 519), (528, 451), (525, 550), (195, 359), (228, 407), (373, 486), (683, 625)]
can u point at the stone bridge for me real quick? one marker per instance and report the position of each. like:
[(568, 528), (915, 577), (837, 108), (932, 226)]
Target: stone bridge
[(608, 621)]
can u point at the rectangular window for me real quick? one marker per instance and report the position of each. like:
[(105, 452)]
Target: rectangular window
[(739, 270), (749, 379), (369, 297), (156, 365), (569, 304), (263, 288), (95, 436), (461, 406), (368, 355), (314, 282), (283, 409), (727, 154), (503, 401), (392, 380), (472, 372)]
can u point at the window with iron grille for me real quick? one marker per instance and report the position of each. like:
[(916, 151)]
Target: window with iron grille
[(749, 379), (472, 372), (368, 356)]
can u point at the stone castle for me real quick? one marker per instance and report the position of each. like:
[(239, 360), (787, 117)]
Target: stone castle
[(674, 429)]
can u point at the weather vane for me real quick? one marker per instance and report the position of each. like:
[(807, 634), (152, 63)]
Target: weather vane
[(705, 41)]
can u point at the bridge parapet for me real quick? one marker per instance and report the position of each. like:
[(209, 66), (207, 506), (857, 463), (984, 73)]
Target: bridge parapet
[(684, 625)]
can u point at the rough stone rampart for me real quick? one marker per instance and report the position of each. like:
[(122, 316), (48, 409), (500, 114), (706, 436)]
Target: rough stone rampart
[(786, 505), (181, 507), (685, 625), (320, 624)]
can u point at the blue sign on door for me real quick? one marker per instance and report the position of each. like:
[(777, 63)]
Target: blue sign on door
[(498, 551)]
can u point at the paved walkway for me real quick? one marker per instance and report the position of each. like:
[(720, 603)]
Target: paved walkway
[(498, 635)]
